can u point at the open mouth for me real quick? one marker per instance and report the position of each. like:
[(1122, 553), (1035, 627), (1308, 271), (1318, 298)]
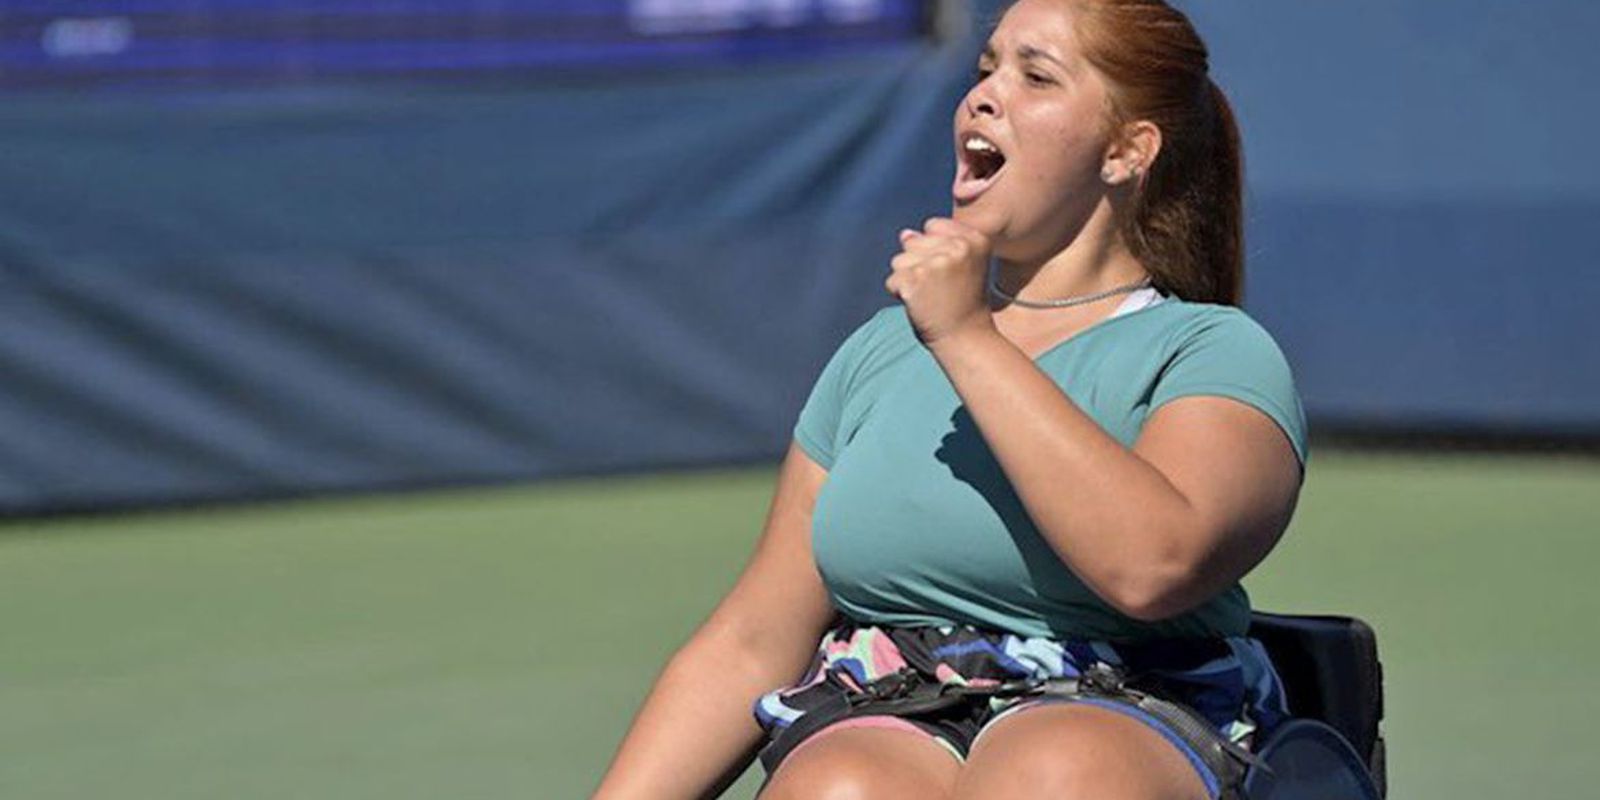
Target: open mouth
[(979, 163)]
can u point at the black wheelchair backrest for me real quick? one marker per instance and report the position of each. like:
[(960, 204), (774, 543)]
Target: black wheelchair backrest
[(1330, 669)]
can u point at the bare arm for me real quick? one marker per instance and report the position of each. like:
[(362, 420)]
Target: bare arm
[(1154, 530), (695, 732)]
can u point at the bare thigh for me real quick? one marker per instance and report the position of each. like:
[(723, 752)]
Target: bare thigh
[(857, 763), (1076, 750)]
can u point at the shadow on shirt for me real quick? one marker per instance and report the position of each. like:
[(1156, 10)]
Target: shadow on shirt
[(967, 455)]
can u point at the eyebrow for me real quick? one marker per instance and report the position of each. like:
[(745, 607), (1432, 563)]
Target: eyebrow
[(1028, 53)]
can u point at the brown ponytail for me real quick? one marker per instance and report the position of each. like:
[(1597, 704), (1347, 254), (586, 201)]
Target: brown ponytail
[(1187, 225)]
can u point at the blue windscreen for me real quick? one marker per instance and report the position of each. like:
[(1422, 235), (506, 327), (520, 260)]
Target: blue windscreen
[(50, 43), (387, 283)]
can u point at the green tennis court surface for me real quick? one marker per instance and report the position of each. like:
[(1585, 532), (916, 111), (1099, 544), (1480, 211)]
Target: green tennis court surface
[(494, 643)]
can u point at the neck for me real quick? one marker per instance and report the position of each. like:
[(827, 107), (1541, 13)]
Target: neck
[(1094, 260)]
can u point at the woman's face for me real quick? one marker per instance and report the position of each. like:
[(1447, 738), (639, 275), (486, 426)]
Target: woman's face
[(1029, 135)]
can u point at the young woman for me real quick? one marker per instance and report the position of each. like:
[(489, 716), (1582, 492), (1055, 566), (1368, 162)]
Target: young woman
[(1056, 455)]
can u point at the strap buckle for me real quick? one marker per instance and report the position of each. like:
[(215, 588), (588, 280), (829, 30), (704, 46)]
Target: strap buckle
[(1103, 678), (894, 686)]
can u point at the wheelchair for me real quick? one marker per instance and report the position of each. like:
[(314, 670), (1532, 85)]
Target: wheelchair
[(1332, 749)]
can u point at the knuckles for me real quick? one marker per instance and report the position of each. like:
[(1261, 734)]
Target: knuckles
[(943, 248), (967, 240)]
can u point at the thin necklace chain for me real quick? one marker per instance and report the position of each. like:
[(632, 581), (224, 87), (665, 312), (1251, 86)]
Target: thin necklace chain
[(1064, 302)]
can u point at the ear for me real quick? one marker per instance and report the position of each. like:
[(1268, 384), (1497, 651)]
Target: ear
[(1129, 157)]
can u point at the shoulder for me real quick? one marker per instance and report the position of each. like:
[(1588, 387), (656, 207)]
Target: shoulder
[(876, 344), (1189, 321), (850, 383), (886, 326), (1176, 329), (1221, 350), (885, 337), (1186, 327)]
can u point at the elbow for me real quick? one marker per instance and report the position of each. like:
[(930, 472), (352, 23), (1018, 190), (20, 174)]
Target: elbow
[(1150, 607), (1164, 577), (1154, 593)]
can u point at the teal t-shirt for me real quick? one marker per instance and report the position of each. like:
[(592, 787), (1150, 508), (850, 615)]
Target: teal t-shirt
[(917, 523)]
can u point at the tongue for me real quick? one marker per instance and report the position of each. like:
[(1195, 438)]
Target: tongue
[(967, 185)]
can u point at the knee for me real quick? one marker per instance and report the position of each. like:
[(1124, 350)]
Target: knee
[(1076, 752), (1064, 762), (842, 766), (823, 774)]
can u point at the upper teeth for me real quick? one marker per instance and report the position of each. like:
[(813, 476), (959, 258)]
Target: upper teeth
[(979, 143)]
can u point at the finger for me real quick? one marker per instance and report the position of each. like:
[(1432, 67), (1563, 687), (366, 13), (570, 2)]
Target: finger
[(905, 261), (892, 284), (907, 234), (926, 243), (944, 226), (942, 244)]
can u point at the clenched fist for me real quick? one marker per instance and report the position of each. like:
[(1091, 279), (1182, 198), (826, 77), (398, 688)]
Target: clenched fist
[(940, 274)]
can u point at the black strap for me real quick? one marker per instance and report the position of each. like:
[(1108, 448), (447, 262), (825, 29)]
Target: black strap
[(905, 693), (1225, 758), (900, 694)]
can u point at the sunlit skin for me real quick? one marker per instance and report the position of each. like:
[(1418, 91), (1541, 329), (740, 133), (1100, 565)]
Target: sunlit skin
[(1047, 219), (1154, 530)]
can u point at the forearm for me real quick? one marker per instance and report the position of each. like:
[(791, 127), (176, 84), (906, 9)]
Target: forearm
[(1111, 516), (695, 731)]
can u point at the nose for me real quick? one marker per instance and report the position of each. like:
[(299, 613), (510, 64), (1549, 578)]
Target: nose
[(981, 99)]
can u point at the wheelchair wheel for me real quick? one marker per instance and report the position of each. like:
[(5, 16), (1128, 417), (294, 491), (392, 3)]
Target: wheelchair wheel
[(1308, 760)]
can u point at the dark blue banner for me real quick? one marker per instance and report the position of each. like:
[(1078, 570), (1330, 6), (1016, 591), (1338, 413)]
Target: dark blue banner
[(48, 43), (396, 283)]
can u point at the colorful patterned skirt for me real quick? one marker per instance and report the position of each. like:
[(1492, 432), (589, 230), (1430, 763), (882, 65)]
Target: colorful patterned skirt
[(1230, 682)]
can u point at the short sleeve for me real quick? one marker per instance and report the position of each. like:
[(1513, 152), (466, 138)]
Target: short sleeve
[(1233, 356), (821, 419)]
